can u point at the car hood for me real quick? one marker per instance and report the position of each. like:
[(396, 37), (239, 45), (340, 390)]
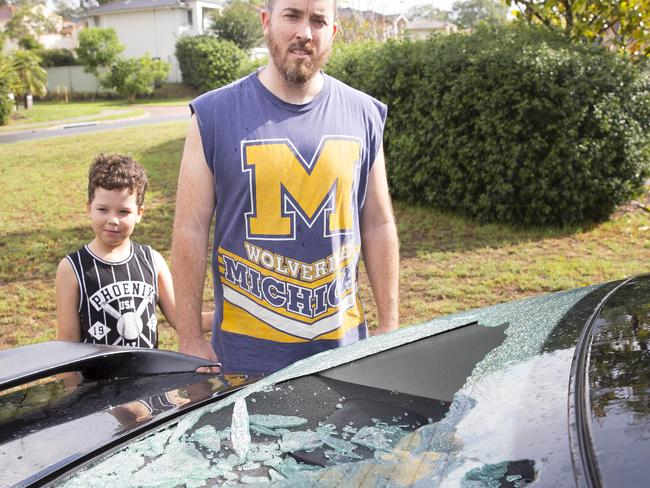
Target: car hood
[(513, 417)]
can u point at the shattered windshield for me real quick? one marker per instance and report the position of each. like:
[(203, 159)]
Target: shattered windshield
[(304, 426)]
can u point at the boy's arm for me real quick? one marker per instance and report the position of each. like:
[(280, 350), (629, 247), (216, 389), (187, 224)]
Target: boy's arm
[(167, 299), (67, 303)]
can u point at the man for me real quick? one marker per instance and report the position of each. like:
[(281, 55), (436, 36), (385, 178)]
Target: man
[(293, 162)]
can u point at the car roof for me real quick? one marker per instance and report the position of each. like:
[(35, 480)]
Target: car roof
[(64, 403)]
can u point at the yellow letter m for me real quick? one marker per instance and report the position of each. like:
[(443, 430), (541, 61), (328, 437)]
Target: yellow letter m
[(283, 184)]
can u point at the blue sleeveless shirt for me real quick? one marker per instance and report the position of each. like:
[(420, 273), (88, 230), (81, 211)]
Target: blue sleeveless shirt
[(290, 183)]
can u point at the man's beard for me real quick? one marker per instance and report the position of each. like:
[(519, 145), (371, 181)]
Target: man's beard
[(302, 70)]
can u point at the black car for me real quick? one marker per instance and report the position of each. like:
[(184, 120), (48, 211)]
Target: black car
[(551, 391)]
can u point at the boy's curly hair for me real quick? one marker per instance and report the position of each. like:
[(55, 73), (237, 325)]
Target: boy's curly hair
[(117, 172)]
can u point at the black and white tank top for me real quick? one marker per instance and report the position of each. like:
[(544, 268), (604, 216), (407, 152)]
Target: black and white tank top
[(118, 300)]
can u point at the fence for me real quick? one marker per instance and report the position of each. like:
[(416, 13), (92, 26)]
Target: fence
[(73, 79)]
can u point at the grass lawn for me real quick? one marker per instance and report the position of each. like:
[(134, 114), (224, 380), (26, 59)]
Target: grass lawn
[(448, 263), (43, 113)]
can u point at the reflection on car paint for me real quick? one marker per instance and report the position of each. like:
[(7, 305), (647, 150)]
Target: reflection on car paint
[(619, 385), (442, 453)]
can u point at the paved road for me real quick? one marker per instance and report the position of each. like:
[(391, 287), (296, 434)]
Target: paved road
[(157, 115)]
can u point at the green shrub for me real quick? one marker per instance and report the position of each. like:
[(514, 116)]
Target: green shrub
[(135, 76), (98, 47), (57, 57), (6, 105), (8, 79), (510, 124), (207, 62), (247, 66)]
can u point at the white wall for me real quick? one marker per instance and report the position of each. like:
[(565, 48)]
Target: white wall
[(72, 77), (58, 41), (152, 31)]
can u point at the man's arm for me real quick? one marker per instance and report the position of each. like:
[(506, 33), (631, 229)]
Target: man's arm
[(67, 303), (195, 203), (380, 247), (167, 299)]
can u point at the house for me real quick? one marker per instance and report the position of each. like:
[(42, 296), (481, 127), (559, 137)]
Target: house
[(367, 24), (154, 26), (64, 34), (423, 28)]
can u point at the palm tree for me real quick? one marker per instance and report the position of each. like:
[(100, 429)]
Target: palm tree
[(8, 79), (32, 78)]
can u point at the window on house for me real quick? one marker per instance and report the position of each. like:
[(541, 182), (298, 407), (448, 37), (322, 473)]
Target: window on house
[(190, 19)]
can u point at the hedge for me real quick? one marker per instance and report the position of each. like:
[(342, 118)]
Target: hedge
[(57, 57), (6, 106), (513, 124), (207, 62)]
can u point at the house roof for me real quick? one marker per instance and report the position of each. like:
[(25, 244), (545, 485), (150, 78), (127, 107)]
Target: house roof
[(427, 24), (367, 15), (122, 5), (6, 12)]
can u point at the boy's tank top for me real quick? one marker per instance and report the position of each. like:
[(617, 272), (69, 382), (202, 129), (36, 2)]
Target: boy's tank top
[(290, 183), (117, 303)]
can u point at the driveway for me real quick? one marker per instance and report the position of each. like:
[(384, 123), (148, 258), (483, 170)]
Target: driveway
[(153, 115)]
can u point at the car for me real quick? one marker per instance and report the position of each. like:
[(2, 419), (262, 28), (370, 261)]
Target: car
[(548, 391)]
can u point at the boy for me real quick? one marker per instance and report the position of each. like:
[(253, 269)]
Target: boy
[(106, 293)]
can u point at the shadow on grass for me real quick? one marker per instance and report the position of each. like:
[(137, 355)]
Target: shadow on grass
[(423, 229), (33, 255), (162, 163), (29, 255)]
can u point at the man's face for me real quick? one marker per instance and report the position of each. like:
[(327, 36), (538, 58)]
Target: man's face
[(299, 34)]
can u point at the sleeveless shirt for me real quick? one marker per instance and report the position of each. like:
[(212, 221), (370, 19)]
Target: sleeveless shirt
[(117, 303), (290, 183)]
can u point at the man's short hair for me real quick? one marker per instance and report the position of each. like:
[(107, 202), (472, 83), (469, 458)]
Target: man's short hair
[(117, 172), (269, 5)]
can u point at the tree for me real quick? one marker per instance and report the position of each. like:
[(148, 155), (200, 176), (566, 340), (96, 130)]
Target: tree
[(75, 8), (98, 48), (619, 25), (8, 79), (27, 24), (31, 78), (356, 25), (469, 13), (238, 22), (133, 77), (207, 62), (428, 12)]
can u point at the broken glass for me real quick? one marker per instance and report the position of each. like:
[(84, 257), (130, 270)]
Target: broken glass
[(277, 421), (488, 476), (446, 453), (380, 437), (208, 437), (239, 432), (301, 441)]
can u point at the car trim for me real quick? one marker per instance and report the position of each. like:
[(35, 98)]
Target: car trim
[(585, 464), (28, 363)]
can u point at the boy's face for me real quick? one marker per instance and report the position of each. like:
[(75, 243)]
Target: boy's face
[(113, 215)]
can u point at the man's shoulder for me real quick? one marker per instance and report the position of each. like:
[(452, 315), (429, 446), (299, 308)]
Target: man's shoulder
[(354, 95), (221, 94)]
